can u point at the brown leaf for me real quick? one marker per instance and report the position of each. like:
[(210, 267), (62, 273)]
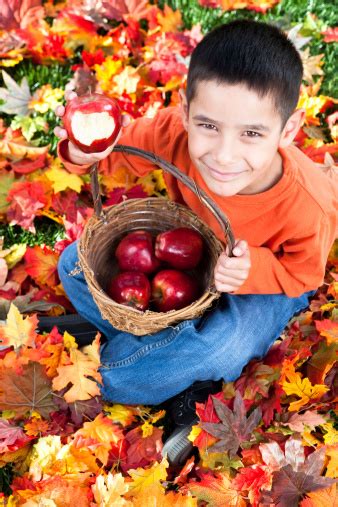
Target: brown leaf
[(234, 428), (30, 391)]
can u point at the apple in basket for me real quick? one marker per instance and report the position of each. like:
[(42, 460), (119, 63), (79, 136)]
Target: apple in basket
[(92, 122), (130, 288), (182, 247), (172, 289), (135, 252)]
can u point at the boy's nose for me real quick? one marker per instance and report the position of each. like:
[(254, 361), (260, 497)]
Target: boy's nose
[(224, 152)]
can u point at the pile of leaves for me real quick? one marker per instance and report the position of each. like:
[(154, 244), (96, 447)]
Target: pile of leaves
[(270, 438)]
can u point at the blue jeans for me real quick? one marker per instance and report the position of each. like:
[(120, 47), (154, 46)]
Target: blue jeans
[(150, 369)]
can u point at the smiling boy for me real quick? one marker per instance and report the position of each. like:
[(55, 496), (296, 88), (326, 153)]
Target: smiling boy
[(233, 135)]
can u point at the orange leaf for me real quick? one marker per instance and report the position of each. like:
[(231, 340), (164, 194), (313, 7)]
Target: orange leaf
[(323, 498), (329, 329), (40, 264), (81, 374), (217, 491)]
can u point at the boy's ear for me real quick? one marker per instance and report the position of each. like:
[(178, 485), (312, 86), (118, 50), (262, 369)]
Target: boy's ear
[(184, 108), (291, 128)]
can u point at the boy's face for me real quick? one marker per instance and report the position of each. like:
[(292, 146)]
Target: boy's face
[(234, 136)]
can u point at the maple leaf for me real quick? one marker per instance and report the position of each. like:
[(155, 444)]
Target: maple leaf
[(31, 391), (301, 387), (143, 450), (144, 480), (9, 434), (18, 331), (41, 265), (234, 428), (108, 490), (121, 414), (16, 97), (290, 485), (20, 13), (331, 34), (82, 374), (217, 490), (6, 181), (257, 378), (309, 419), (27, 199), (161, 499), (312, 65), (329, 329), (14, 146), (253, 479), (81, 410), (62, 179)]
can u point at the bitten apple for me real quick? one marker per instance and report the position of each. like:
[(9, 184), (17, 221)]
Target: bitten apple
[(135, 252), (182, 247), (92, 122), (172, 289), (130, 288)]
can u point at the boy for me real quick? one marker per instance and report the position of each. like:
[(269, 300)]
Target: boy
[(233, 136)]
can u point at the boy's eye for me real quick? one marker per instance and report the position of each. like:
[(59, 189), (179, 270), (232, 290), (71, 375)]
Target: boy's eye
[(252, 133), (208, 126)]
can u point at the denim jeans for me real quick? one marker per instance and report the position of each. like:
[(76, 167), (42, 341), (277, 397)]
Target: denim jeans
[(150, 369)]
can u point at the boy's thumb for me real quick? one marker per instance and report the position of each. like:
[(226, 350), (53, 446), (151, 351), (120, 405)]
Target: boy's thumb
[(240, 248)]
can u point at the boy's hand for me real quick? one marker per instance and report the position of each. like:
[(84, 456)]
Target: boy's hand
[(231, 272), (75, 155)]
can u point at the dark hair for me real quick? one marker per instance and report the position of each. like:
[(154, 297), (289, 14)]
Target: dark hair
[(256, 54)]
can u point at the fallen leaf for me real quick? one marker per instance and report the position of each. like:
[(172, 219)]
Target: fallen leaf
[(234, 427), (19, 330), (29, 392)]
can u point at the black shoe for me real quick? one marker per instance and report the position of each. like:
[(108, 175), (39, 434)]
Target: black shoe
[(83, 331), (181, 408)]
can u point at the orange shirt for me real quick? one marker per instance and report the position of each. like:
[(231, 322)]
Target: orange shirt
[(289, 228)]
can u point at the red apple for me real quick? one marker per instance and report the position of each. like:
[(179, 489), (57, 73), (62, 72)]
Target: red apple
[(182, 248), (135, 252), (172, 290), (92, 122), (130, 288)]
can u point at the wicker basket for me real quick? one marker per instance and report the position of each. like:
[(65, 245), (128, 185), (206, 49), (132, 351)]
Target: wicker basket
[(107, 227)]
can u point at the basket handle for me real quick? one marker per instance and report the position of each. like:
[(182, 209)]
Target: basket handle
[(171, 169)]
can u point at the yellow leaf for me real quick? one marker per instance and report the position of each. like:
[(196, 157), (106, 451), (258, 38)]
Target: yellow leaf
[(195, 431), (143, 480), (121, 177), (301, 387), (62, 179), (332, 465), (108, 490), (156, 417), (147, 429), (14, 255), (93, 350), (69, 341), (18, 330), (126, 81), (120, 413), (106, 71), (43, 455), (331, 435), (46, 98), (82, 374), (170, 20)]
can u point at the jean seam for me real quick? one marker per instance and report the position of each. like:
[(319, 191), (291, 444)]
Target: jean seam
[(147, 348)]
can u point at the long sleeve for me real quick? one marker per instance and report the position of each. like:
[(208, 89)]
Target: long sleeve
[(300, 266)]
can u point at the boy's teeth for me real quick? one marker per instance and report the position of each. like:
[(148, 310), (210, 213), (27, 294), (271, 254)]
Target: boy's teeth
[(89, 127)]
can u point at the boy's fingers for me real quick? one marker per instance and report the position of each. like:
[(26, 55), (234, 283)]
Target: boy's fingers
[(60, 111), (70, 95), (61, 133)]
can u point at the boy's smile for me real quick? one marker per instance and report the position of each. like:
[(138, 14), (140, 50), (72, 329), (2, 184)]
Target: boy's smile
[(234, 136)]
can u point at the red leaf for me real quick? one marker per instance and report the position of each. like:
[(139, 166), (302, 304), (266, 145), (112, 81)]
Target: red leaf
[(143, 451), (26, 165), (26, 198), (331, 34)]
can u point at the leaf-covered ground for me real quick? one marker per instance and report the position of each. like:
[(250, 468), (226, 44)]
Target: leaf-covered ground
[(268, 439)]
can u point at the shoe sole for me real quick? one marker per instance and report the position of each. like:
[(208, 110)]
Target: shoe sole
[(178, 448)]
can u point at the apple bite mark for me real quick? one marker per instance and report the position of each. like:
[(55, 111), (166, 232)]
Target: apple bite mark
[(87, 128)]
